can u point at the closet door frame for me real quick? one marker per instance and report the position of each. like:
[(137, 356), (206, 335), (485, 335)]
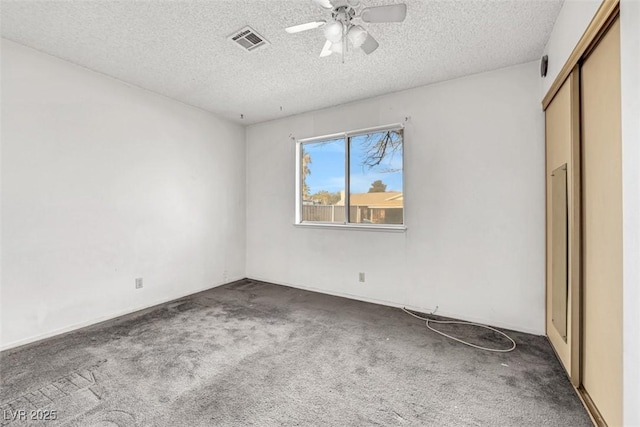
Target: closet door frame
[(607, 13)]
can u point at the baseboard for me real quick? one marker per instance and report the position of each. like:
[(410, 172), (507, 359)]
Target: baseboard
[(95, 321), (101, 319), (439, 312)]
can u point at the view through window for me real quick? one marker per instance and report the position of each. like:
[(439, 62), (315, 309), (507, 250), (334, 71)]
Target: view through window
[(363, 172)]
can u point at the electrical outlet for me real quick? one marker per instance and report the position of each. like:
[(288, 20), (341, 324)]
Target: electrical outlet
[(361, 277), (139, 283)]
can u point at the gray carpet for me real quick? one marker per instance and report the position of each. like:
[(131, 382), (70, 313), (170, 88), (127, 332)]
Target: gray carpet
[(258, 354)]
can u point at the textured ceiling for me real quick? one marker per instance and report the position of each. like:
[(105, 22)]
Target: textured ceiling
[(180, 48)]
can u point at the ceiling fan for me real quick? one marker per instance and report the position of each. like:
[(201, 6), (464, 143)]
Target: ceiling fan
[(344, 25)]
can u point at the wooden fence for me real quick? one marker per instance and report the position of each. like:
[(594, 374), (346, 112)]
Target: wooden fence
[(323, 213), (357, 214)]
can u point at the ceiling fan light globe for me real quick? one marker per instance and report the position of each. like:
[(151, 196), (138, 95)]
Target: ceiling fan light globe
[(333, 31), (357, 35)]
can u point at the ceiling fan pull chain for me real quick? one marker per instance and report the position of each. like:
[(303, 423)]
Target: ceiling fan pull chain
[(344, 42)]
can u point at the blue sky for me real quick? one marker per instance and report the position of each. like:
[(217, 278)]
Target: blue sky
[(327, 167)]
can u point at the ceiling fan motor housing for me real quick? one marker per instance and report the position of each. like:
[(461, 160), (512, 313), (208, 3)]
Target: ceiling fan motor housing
[(344, 14), (341, 3)]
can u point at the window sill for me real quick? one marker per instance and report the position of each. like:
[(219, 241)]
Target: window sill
[(365, 227)]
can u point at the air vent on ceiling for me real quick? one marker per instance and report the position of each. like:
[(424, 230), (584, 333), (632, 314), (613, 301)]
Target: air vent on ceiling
[(248, 39)]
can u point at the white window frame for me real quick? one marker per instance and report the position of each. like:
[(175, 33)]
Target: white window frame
[(346, 225)]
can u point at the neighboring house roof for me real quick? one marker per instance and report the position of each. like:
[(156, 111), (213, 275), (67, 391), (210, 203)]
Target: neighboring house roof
[(388, 199)]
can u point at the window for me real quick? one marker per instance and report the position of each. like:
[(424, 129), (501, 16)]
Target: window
[(354, 178)]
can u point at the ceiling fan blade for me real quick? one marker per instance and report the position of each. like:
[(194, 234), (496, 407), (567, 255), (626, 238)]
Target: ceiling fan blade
[(304, 27), (326, 50), (369, 45), (391, 13), (324, 3)]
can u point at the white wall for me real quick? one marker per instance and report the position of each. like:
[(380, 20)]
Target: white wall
[(573, 19), (630, 75), (474, 194), (102, 183)]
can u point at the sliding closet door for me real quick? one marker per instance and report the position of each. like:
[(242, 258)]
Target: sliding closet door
[(602, 204), (563, 224)]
